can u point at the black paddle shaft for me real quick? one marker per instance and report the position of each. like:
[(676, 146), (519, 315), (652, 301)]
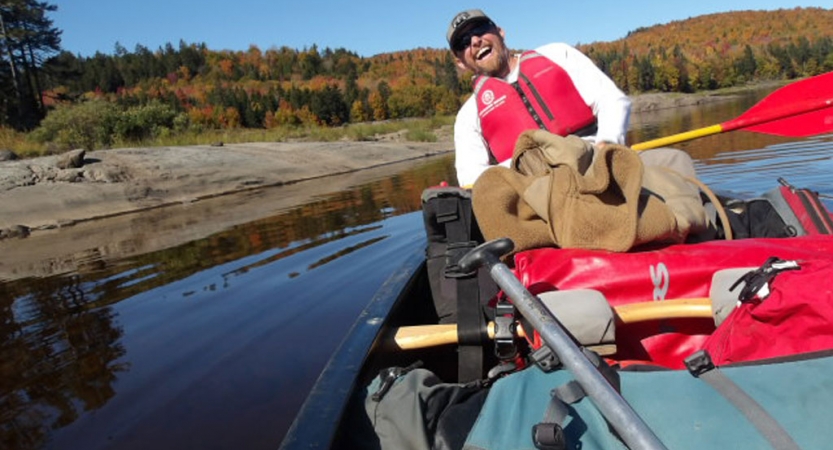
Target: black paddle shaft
[(619, 413)]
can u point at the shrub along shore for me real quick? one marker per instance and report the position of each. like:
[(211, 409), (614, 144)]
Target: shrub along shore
[(97, 125)]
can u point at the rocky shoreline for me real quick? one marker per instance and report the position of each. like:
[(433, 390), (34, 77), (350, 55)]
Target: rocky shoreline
[(57, 211), (653, 102), (57, 191)]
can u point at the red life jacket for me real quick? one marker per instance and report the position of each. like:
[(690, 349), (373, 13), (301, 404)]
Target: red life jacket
[(543, 97)]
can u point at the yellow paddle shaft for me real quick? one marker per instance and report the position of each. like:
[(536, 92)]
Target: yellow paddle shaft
[(676, 138), (681, 308)]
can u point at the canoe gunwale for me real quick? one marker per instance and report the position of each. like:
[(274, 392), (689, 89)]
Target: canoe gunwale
[(317, 422)]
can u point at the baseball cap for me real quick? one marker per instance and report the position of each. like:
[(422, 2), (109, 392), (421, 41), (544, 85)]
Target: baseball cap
[(462, 19)]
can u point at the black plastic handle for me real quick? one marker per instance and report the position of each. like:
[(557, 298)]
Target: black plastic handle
[(485, 254)]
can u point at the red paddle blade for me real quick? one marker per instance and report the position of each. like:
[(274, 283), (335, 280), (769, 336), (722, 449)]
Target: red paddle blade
[(803, 108)]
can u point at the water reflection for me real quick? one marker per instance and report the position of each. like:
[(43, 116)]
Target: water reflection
[(71, 342), (59, 359), (807, 163), (159, 339)]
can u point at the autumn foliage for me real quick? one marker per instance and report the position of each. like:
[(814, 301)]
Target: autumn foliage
[(720, 50), (281, 86)]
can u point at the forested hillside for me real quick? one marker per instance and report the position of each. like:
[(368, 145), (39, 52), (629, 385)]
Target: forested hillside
[(134, 94), (278, 86), (720, 50)]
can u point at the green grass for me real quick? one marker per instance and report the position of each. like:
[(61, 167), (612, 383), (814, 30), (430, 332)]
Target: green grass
[(20, 144)]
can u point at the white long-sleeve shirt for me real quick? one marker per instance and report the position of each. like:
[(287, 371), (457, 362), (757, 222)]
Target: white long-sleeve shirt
[(608, 103)]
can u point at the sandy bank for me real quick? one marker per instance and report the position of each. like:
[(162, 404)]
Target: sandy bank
[(37, 194), (133, 201)]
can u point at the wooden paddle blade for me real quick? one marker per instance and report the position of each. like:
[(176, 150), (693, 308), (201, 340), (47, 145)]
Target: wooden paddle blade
[(803, 108)]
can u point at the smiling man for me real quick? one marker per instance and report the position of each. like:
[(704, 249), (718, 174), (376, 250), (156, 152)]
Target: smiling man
[(554, 87)]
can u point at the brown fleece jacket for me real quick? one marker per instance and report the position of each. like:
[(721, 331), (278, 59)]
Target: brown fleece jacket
[(561, 191)]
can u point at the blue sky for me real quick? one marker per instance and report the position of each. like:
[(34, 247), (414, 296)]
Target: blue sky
[(365, 27)]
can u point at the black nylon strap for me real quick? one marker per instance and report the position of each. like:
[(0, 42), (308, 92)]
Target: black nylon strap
[(450, 212), (469, 331), (456, 215), (529, 108), (700, 365), (535, 94)]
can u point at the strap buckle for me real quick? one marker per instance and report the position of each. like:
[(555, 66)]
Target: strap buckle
[(505, 330), (388, 376), (757, 281), (699, 363), (545, 359), (548, 436)]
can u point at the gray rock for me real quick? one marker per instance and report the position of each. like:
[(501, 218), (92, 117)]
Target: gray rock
[(70, 176), (8, 155), (71, 160), (15, 231), (14, 175), (43, 173), (105, 175)]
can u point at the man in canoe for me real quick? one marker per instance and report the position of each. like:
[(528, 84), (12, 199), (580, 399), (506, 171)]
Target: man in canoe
[(559, 123), (555, 87)]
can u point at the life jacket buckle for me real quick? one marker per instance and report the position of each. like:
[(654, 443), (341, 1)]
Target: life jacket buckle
[(548, 436)]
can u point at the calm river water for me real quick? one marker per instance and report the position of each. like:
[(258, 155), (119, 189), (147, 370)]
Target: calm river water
[(215, 343)]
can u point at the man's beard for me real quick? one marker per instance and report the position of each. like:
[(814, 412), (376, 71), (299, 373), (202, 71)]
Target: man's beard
[(496, 65)]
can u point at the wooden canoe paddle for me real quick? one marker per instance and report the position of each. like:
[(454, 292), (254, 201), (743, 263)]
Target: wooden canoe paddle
[(424, 336)]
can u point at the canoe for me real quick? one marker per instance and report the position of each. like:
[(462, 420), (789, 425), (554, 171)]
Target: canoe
[(776, 400), (692, 363), (318, 421)]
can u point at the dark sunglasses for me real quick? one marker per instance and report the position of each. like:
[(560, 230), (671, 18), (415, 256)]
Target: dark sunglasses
[(464, 40)]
